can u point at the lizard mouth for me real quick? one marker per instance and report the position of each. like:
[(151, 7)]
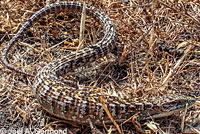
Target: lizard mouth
[(168, 109), (178, 105)]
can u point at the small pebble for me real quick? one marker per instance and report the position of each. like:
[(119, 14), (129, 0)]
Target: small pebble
[(126, 1)]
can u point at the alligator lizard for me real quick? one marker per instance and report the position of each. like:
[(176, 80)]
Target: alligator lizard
[(78, 104)]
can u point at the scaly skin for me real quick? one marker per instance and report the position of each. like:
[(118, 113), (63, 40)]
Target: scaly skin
[(78, 104)]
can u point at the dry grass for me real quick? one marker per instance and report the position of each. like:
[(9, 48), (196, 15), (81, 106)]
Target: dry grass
[(139, 64)]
